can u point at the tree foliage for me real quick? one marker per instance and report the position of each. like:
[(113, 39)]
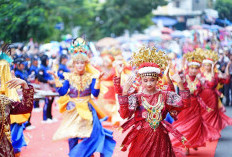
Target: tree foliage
[(24, 19), (115, 16), (224, 8)]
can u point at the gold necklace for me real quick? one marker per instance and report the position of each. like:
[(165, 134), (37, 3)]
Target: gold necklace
[(154, 115), (192, 85), (208, 76), (80, 82)]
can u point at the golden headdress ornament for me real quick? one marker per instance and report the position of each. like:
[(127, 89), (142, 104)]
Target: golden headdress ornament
[(195, 58), (210, 57), (149, 61), (79, 49), (113, 51)]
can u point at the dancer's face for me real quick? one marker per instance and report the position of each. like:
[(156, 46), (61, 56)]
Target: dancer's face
[(79, 66), (107, 62), (207, 67), (149, 83), (193, 70)]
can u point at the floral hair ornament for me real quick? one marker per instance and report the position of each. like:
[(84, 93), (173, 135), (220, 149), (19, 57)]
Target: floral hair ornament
[(149, 62), (78, 50), (210, 57), (195, 58)]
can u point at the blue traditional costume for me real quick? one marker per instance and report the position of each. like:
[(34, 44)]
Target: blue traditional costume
[(62, 67), (81, 115), (45, 77)]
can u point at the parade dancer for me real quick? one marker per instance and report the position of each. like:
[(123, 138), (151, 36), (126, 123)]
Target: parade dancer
[(210, 95), (106, 98), (147, 108), (81, 124), (11, 107), (190, 122)]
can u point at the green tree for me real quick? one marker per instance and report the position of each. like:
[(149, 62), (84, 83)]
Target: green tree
[(224, 8), (115, 16), (24, 19)]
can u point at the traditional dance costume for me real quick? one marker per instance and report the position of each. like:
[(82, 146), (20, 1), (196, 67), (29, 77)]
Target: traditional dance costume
[(12, 111), (148, 136), (81, 115), (190, 121), (210, 95)]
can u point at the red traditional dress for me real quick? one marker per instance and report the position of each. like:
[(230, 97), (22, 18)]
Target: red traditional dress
[(190, 122), (148, 136), (210, 95), (107, 99)]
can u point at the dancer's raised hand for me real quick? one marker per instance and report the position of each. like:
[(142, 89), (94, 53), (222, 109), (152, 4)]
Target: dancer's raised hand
[(15, 82)]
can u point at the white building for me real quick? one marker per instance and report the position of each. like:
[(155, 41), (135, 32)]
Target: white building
[(187, 11)]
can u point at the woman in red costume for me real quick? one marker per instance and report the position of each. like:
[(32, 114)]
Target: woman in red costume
[(210, 95), (147, 108), (190, 122), (107, 99)]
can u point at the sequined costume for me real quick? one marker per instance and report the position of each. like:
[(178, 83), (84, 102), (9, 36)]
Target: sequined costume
[(148, 136), (8, 107), (190, 121), (210, 95)]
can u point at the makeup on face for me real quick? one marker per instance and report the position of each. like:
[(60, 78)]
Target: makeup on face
[(193, 70), (149, 83), (79, 66)]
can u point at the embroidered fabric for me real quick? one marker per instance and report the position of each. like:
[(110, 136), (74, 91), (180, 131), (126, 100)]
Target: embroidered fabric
[(27, 102), (133, 102), (117, 86), (185, 94), (11, 107), (123, 100), (79, 82), (173, 99)]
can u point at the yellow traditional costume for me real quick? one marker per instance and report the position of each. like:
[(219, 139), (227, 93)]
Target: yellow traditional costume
[(14, 132), (80, 113)]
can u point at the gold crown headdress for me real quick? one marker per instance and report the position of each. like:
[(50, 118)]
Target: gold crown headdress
[(210, 57), (149, 61), (79, 49), (195, 58)]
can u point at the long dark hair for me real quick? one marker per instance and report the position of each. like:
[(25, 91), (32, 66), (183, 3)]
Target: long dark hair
[(44, 58)]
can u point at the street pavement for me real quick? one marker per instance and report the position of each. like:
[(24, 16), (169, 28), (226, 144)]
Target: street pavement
[(224, 147)]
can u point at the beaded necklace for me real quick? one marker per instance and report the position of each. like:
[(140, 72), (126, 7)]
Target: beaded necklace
[(154, 116)]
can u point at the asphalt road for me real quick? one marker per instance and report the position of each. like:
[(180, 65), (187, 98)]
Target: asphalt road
[(224, 147)]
